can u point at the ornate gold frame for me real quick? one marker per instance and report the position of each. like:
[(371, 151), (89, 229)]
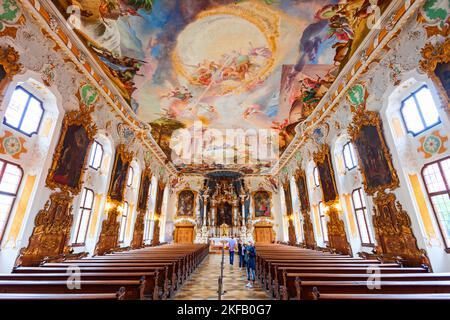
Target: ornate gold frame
[(126, 157), (177, 215), (83, 118), (320, 156), (9, 59), (363, 118), (432, 55), (270, 200)]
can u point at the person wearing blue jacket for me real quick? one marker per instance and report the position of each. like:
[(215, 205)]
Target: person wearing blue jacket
[(250, 261)]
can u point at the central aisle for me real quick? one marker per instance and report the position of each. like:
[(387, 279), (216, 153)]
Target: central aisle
[(204, 282)]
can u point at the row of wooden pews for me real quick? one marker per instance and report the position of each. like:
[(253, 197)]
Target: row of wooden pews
[(148, 273), (289, 272)]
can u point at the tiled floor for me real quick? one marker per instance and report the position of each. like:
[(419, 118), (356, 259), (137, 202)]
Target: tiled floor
[(203, 283)]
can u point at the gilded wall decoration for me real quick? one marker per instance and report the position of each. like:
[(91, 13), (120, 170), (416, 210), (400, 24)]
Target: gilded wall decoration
[(436, 64), (87, 95), (142, 207), (71, 153), (122, 161), (432, 144), (435, 14), (337, 236), (51, 232), (159, 198), (9, 66), (109, 235), (394, 233), (375, 162), (357, 95), (287, 197), (12, 145)]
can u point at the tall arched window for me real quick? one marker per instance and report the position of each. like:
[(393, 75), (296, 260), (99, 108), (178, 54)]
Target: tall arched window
[(10, 178), (349, 156), (419, 112), (96, 156), (24, 112), (123, 222), (323, 222), (84, 217), (436, 176), (359, 206)]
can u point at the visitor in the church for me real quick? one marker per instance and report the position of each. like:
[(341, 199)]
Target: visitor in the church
[(231, 248), (250, 260), (241, 253)]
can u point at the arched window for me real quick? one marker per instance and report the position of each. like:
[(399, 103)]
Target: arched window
[(10, 178), (24, 112), (123, 222), (316, 176), (419, 112), (84, 217), (147, 224), (360, 208), (349, 156), (436, 176), (323, 222), (130, 177), (96, 156)]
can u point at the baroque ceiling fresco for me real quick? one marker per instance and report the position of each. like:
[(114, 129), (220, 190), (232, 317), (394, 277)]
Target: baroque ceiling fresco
[(222, 64)]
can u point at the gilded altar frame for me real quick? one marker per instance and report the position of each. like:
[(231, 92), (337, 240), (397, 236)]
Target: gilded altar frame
[(362, 118), (194, 207), (432, 56), (126, 158), (253, 216), (82, 118), (321, 156)]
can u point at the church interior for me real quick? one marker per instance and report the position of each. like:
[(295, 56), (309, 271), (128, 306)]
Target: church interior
[(144, 144)]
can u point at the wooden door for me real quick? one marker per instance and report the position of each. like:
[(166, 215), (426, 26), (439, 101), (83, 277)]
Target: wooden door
[(184, 235), (263, 234)]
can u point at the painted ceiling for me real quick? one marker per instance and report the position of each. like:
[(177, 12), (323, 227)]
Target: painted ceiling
[(221, 64)]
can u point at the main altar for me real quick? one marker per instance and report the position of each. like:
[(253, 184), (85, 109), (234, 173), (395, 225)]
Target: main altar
[(224, 211)]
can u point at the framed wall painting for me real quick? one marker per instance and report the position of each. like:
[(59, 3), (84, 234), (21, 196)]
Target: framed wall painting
[(375, 161), (71, 153), (146, 181), (300, 179), (122, 161), (262, 201), (186, 203), (288, 197), (326, 174)]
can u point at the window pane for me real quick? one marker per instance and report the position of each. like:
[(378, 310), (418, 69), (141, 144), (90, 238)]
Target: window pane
[(316, 176), (84, 224), (130, 176), (411, 116), (362, 226), (16, 107), (348, 157), (357, 200), (445, 165), (32, 117), (11, 179), (441, 205), (427, 107), (98, 157), (5, 208), (123, 223), (433, 178), (89, 199)]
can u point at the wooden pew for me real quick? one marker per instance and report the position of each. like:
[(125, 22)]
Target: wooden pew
[(151, 289), (134, 289), (119, 295), (104, 273), (404, 296)]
